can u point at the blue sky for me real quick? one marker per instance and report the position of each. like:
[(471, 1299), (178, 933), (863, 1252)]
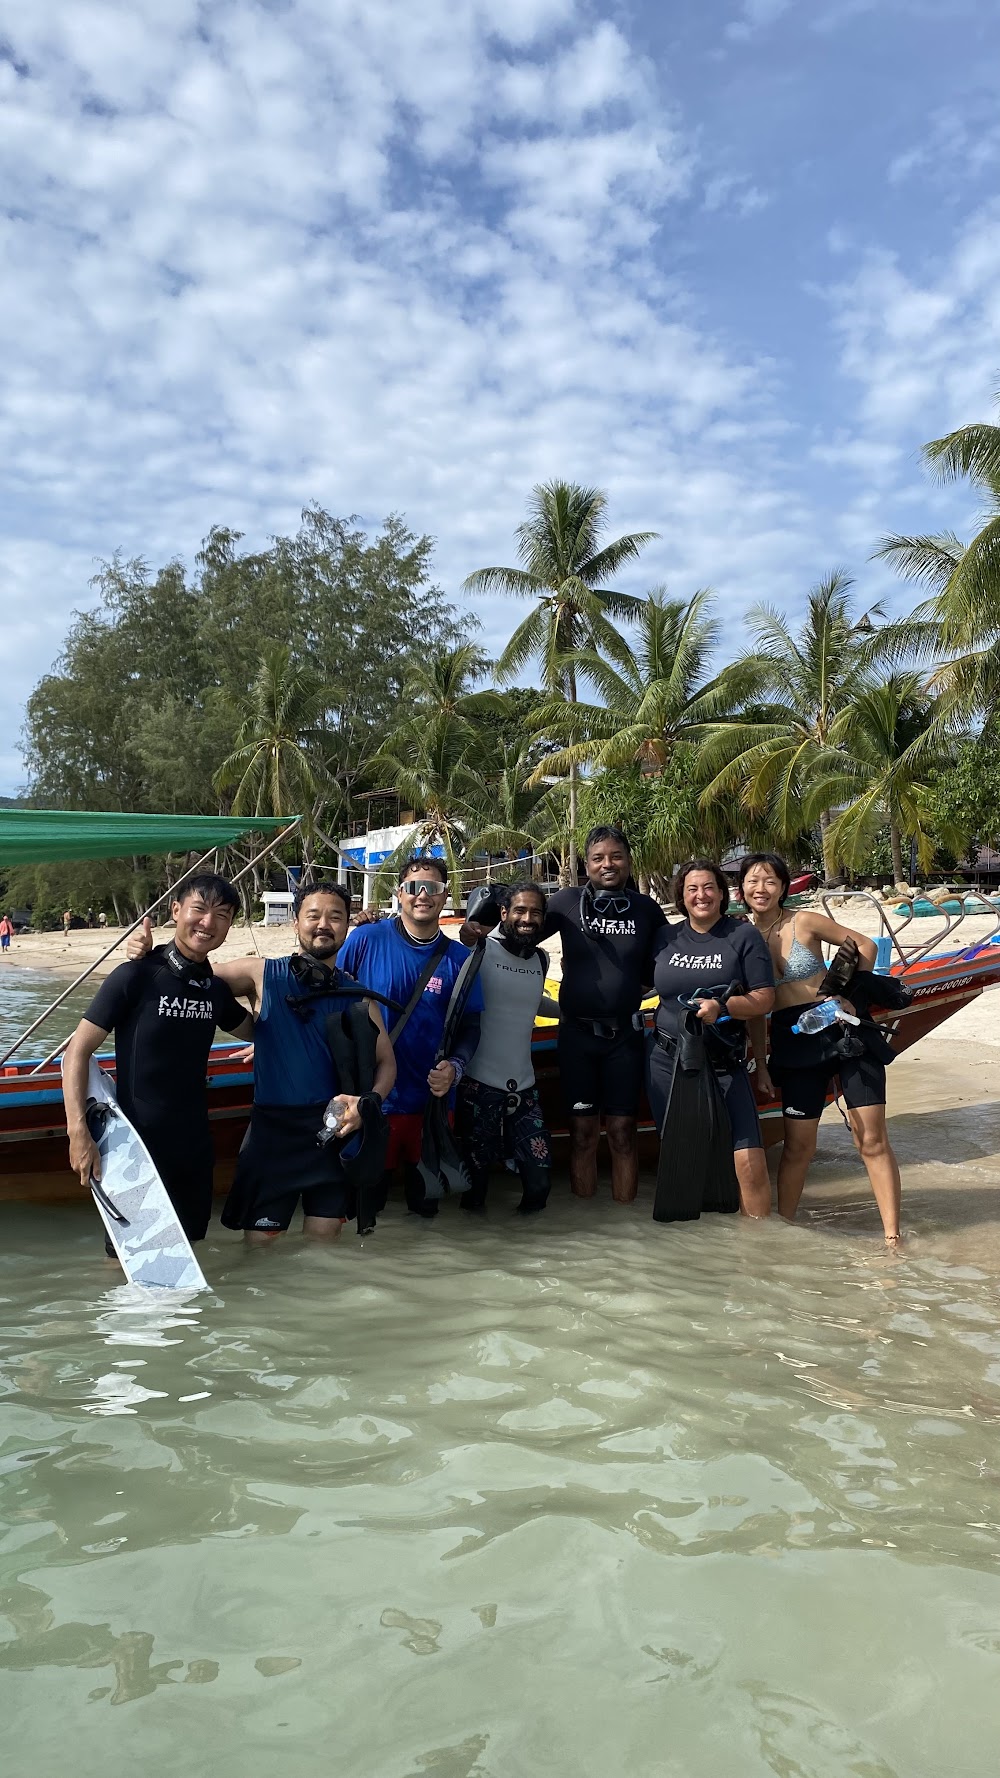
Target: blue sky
[(733, 262)]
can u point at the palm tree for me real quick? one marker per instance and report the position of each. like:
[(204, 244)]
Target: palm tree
[(882, 753), (565, 567), (659, 695), (430, 761), (515, 808), (273, 768), (277, 765), (795, 688), (962, 619), (444, 681)]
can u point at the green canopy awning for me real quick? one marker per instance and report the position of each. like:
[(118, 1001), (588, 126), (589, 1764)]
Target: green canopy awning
[(33, 836)]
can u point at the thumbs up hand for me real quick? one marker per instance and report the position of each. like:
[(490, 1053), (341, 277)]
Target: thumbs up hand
[(141, 942)]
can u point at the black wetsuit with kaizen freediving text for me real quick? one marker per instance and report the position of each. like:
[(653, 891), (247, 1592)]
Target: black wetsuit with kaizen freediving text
[(164, 1010), (607, 959)]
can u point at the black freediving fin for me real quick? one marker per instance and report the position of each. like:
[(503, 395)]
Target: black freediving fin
[(352, 1039), (696, 1169)]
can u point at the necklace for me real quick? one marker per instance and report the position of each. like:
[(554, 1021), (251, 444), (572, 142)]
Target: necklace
[(766, 935)]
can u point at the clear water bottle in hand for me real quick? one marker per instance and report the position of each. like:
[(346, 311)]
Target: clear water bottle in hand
[(333, 1117), (817, 1018)]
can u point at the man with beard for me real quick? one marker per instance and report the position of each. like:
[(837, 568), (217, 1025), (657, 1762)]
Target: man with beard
[(295, 1076), (497, 1111), (163, 1007), (607, 930)]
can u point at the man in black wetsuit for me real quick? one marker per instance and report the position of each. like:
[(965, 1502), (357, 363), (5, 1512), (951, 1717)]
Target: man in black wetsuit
[(164, 1010), (607, 932)]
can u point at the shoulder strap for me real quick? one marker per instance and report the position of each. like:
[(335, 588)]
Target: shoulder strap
[(419, 986), (458, 997)]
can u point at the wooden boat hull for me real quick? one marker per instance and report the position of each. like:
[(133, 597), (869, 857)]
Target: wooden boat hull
[(33, 1157)]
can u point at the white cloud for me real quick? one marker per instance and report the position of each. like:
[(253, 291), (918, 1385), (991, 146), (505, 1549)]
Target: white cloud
[(734, 191), (954, 147), (756, 15), (307, 254), (919, 353), (391, 258)]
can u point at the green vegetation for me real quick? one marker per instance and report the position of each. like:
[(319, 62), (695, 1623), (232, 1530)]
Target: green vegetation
[(328, 669)]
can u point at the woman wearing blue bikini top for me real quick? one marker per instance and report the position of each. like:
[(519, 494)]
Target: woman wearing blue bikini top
[(803, 1066)]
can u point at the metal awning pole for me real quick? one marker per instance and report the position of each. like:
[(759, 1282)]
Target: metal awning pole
[(122, 936)]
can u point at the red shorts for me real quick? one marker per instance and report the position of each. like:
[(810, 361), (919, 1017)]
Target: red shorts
[(406, 1137), (406, 1133)]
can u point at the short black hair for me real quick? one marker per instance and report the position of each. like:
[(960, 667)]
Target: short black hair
[(423, 861), (774, 863), (597, 834), (523, 886), (215, 891), (304, 891), (693, 864)]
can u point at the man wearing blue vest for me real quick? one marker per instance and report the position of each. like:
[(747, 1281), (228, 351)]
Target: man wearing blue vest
[(295, 1075)]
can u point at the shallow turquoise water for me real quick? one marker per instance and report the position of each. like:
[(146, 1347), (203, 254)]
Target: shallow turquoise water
[(578, 1497), (25, 994)]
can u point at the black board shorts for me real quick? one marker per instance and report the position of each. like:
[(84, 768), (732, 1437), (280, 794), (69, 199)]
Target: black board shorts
[(734, 1084), (802, 1068), (600, 1073), (804, 1090), (281, 1163)]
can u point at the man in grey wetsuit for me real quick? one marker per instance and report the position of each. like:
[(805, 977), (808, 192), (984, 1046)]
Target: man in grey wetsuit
[(497, 1113)]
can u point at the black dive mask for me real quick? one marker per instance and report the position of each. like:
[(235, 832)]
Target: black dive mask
[(602, 904), (187, 969), (314, 980), (310, 973)]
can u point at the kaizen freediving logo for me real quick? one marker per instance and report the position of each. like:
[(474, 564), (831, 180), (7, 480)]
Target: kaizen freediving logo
[(684, 960), (172, 1007), (614, 928)]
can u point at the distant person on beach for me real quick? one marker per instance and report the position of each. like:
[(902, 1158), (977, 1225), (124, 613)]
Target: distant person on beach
[(102, 919), (67, 920), (6, 932), (802, 1066), (608, 930), (497, 1109), (406, 956), (163, 1008), (295, 1077)]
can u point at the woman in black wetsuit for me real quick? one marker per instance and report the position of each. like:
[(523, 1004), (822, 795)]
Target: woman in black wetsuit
[(711, 951)]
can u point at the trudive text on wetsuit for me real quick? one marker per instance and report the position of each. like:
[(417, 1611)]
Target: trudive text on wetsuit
[(690, 963), (606, 963), (512, 988)]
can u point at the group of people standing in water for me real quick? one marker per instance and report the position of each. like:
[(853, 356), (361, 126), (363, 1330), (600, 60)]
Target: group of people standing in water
[(389, 1048)]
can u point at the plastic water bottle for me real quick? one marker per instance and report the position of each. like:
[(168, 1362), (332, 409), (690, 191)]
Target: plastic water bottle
[(333, 1117), (817, 1018)]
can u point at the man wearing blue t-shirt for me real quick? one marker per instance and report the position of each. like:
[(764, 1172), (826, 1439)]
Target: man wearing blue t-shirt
[(390, 957)]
